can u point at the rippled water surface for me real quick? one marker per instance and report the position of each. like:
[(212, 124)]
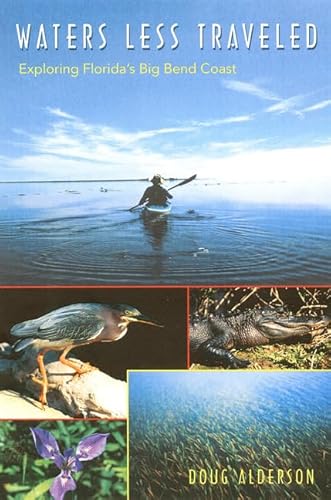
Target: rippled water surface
[(70, 233)]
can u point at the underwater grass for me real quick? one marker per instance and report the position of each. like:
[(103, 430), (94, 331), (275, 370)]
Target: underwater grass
[(173, 429)]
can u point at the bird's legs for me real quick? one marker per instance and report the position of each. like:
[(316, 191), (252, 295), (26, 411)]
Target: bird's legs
[(44, 381), (85, 368)]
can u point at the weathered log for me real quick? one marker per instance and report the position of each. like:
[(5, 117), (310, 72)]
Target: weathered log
[(90, 395)]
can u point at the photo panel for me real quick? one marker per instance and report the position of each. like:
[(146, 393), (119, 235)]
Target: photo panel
[(238, 434), (65, 351), (63, 459), (260, 328)]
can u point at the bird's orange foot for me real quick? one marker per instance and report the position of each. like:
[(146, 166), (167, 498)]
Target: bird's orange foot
[(41, 382), (43, 398), (79, 369), (43, 390), (84, 368)]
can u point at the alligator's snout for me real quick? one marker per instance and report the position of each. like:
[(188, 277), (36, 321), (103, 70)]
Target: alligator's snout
[(292, 326), (319, 327)]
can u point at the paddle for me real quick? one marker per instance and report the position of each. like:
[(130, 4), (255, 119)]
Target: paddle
[(182, 183), (185, 181)]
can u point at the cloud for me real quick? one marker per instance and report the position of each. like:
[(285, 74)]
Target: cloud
[(223, 121), (288, 105), (61, 114), (70, 137), (237, 119), (70, 149), (248, 164), (235, 146), (317, 106), (126, 138), (102, 133), (252, 89)]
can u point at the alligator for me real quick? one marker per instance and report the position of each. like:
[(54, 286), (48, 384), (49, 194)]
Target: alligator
[(211, 339)]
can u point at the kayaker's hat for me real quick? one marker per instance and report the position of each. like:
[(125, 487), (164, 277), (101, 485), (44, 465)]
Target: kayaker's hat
[(157, 179)]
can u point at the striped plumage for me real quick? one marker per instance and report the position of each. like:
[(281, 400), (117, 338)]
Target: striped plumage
[(71, 326)]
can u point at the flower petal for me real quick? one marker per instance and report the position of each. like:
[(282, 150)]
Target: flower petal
[(45, 443), (69, 453), (71, 461), (74, 464), (91, 446), (61, 484), (59, 461)]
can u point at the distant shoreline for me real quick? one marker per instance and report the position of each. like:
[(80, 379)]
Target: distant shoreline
[(85, 180)]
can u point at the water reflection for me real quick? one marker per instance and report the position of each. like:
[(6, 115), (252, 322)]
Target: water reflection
[(75, 233), (155, 228)]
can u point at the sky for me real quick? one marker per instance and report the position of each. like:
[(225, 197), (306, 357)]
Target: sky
[(270, 120)]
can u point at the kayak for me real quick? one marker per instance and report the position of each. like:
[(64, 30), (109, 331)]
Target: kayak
[(158, 209)]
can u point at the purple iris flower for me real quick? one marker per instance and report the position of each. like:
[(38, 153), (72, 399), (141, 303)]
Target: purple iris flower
[(88, 449)]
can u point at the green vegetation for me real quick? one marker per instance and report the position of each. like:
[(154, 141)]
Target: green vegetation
[(238, 422), (26, 476)]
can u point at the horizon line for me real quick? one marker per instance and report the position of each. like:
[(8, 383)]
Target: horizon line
[(146, 179)]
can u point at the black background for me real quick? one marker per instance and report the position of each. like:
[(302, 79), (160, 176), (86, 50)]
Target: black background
[(144, 346)]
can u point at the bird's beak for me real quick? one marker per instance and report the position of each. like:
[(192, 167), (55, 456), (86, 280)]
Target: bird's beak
[(144, 319)]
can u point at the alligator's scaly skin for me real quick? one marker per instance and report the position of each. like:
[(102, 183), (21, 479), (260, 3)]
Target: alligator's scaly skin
[(211, 338)]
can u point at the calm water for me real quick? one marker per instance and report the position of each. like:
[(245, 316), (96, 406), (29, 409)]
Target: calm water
[(70, 233), (237, 398), (182, 420)]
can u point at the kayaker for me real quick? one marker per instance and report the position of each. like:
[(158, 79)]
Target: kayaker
[(155, 194)]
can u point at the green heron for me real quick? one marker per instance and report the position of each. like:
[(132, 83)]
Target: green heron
[(72, 326)]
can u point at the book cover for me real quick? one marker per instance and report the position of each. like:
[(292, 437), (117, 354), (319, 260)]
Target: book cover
[(165, 163), (98, 101)]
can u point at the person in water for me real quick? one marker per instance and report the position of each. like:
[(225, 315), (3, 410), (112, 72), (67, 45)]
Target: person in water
[(155, 194)]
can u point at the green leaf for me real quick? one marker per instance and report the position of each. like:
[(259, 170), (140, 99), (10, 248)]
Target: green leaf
[(38, 471), (12, 470), (119, 438), (24, 465), (64, 432), (39, 490), (15, 488), (113, 447)]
